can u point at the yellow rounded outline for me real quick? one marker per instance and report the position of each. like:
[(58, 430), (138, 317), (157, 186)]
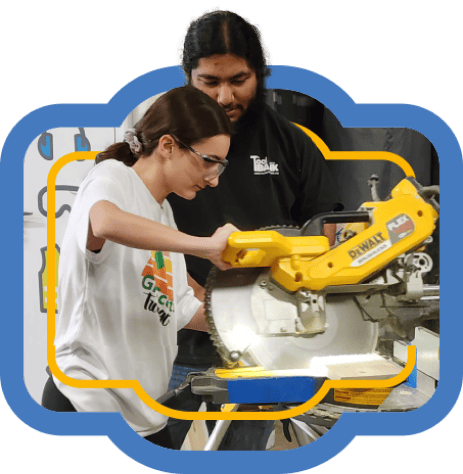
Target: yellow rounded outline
[(358, 155), (134, 384)]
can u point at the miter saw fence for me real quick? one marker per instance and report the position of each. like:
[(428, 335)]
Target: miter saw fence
[(292, 301)]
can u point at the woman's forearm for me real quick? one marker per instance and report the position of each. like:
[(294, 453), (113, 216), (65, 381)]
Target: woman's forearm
[(111, 223), (198, 322)]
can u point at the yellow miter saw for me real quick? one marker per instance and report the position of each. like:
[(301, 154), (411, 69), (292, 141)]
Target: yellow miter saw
[(291, 302), (294, 313)]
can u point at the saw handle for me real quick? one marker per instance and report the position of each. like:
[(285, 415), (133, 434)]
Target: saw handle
[(315, 226), (262, 248), (255, 248)]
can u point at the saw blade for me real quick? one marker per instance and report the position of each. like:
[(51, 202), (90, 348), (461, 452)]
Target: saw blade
[(239, 305)]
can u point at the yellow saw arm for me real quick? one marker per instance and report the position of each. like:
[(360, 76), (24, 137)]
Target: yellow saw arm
[(394, 227)]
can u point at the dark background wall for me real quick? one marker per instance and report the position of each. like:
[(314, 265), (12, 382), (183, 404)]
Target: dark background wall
[(351, 177)]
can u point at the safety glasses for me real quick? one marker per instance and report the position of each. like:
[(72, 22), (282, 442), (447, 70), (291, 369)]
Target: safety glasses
[(214, 165)]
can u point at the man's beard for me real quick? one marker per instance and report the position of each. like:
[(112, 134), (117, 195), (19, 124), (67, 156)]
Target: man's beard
[(258, 95), (231, 109), (254, 109)]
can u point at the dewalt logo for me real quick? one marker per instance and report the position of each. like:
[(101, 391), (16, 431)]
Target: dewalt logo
[(366, 245)]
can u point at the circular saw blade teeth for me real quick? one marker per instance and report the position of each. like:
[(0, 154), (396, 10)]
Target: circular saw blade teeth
[(209, 286), (293, 229), (213, 333), (234, 292)]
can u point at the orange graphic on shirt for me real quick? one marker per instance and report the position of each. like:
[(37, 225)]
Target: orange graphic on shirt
[(159, 267)]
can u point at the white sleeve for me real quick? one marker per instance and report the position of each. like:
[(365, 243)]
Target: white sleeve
[(187, 304), (100, 185)]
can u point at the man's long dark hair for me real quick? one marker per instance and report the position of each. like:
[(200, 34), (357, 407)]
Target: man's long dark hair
[(224, 32), (185, 112)]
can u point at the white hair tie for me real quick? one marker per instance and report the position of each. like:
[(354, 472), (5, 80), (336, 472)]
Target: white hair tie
[(130, 136)]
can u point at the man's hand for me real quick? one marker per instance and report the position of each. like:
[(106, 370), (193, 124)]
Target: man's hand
[(330, 232)]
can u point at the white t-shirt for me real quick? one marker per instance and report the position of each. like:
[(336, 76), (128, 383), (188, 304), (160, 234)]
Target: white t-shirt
[(119, 309)]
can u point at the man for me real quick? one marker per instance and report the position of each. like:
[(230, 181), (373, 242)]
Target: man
[(276, 176)]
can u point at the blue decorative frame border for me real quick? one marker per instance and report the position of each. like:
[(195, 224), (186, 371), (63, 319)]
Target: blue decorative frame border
[(112, 114)]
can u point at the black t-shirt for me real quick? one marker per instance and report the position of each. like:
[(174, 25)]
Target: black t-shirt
[(276, 176)]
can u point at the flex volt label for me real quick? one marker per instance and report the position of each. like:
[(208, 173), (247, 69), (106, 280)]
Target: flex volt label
[(400, 227)]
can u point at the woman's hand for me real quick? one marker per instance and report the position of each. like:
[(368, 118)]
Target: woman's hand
[(217, 244)]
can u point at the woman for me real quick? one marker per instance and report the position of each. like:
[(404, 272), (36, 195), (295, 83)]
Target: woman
[(123, 291)]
